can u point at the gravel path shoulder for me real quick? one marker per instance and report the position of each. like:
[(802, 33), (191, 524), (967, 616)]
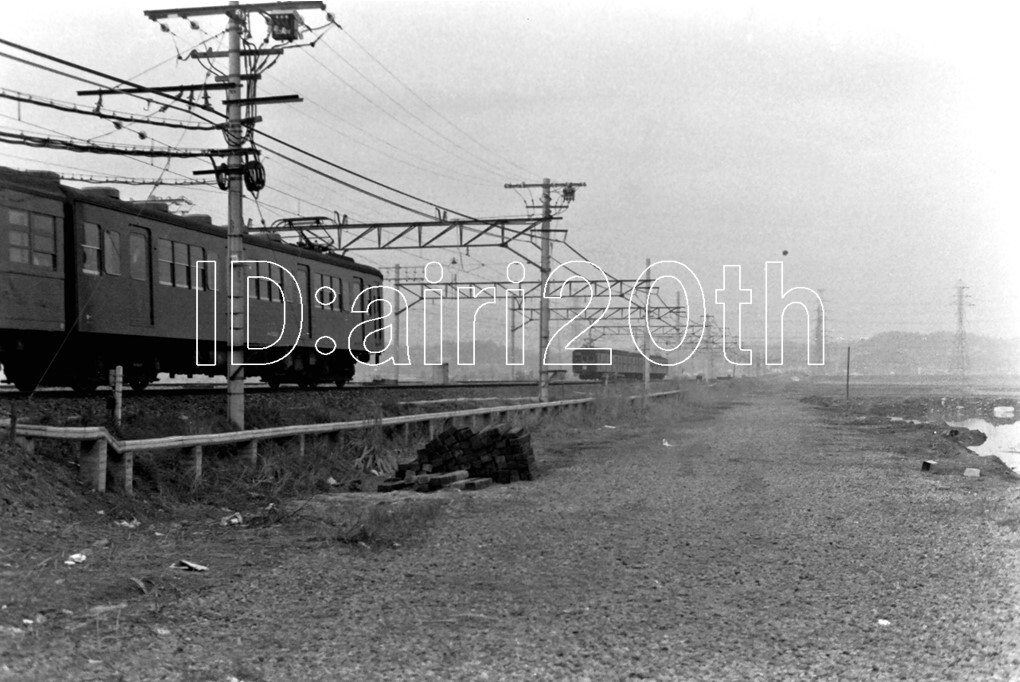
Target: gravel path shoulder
[(768, 541)]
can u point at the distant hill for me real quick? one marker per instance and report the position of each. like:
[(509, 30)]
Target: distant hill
[(911, 353)]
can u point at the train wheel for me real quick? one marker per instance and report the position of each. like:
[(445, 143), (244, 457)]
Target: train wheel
[(340, 383), (138, 384), (273, 382), (84, 386), (23, 376), (24, 384)]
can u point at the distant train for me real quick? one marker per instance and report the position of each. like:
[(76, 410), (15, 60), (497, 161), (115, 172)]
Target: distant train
[(89, 282), (592, 364)]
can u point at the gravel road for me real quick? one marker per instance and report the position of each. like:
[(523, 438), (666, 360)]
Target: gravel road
[(770, 540)]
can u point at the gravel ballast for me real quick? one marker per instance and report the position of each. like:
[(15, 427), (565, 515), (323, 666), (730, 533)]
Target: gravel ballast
[(769, 540)]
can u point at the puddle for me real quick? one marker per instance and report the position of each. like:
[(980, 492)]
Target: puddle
[(1003, 440)]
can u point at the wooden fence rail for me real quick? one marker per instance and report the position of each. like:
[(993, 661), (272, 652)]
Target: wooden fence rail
[(95, 442)]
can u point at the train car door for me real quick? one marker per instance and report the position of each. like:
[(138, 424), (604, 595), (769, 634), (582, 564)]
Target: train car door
[(357, 286), (139, 257)]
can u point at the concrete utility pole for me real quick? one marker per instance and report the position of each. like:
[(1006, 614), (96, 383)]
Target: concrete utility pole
[(512, 324), (235, 228), (710, 347), (647, 373), (544, 268), (396, 323), (819, 331), (284, 25)]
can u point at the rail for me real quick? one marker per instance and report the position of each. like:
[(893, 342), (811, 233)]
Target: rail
[(95, 442)]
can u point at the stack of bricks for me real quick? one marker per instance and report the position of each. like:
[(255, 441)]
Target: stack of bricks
[(470, 460)]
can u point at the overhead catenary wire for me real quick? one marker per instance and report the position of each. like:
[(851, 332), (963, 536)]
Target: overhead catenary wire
[(124, 180), (193, 105), (80, 79), (99, 112), (76, 145), (213, 111)]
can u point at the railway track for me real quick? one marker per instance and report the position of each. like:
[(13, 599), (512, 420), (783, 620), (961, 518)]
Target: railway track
[(204, 388)]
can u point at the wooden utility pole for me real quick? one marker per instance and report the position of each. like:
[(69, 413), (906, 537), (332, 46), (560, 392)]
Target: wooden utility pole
[(544, 267)]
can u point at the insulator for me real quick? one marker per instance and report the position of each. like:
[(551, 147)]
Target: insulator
[(254, 176), (222, 177)]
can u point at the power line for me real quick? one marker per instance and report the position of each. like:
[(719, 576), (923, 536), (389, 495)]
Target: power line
[(433, 168), (397, 120), (429, 106), (211, 110), (80, 79), (492, 168)]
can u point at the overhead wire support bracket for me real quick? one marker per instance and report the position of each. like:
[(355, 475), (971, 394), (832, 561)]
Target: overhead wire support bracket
[(158, 88), (243, 76), (218, 54), (275, 99), (414, 235)]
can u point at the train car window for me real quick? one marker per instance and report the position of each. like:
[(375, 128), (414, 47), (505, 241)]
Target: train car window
[(305, 282), (338, 287), (111, 252), (213, 274), (18, 241), (271, 293), (276, 272), (166, 262), (375, 310), (358, 287), (252, 285), (327, 298), (90, 248), (275, 294), (138, 247), (44, 241), (181, 266), (261, 288), (198, 280)]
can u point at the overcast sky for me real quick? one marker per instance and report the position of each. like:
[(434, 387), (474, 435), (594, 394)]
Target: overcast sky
[(875, 142)]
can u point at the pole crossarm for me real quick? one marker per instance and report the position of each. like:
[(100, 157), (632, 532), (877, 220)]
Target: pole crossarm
[(185, 12), (573, 288), (615, 321), (618, 291), (525, 185), (617, 313), (282, 24)]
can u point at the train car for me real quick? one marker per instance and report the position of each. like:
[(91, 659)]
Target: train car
[(592, 364), (89, 282)]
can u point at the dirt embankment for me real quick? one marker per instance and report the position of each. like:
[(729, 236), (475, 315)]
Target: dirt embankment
[(748, 536)]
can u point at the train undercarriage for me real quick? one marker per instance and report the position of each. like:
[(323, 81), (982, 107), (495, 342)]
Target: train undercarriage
[(84, 363)]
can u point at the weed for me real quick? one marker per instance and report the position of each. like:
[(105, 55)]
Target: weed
[(387, 525)]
